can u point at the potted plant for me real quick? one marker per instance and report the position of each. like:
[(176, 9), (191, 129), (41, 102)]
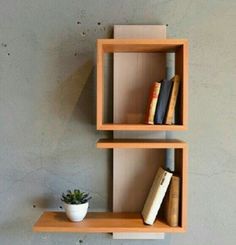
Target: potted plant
[(76, 204)]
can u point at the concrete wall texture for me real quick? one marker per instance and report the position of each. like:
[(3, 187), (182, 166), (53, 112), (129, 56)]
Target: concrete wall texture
[(48, 139)]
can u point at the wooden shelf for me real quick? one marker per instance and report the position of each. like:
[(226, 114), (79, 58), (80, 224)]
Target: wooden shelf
[(126, 121), (181, 162), (100, 222), (141, 143), (141, 127), (140, 45), (129, 120)]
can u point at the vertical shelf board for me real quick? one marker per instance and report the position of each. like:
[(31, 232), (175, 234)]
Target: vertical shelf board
[(181, 168), (146, 67), (100, 86), (144, 46), (181, 164), (181, 68)]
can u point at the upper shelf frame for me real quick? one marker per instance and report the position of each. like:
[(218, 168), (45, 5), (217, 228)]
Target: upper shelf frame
[(178, 46)]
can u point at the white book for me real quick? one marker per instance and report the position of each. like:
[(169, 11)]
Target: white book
[(156, 195)]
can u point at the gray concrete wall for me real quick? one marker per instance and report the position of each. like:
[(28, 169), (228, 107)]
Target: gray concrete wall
[(48, 139)]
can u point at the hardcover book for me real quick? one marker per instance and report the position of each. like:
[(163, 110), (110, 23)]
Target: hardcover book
[(172, 100), (162, 103), (156, 195), (172, 202), (152, 102)]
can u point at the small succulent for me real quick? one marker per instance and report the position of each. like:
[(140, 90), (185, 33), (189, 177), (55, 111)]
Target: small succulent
[(75, 197)]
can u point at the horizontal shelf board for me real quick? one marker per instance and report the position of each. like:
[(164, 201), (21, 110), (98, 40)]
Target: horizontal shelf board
[(140, 127), (100, 222), (140, 143), (141, 45)]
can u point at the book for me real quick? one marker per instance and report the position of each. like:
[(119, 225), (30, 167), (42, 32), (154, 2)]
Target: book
[(172, 100), (152, 102), (172, 202), (156, 195), (170, 160), (162, 103)]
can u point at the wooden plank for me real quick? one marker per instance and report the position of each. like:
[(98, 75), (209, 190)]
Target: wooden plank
[(181, 68), (140, 127), (100, 222), (181, 167), (141, 143), (139, 32), (141, 45), (134, 182), (100, 89), (133, 75)]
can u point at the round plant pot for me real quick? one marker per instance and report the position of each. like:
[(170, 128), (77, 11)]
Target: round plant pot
[(76, 212)]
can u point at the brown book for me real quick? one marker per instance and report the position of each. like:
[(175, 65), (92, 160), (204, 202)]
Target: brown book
[(172, 100), (172, 202), (152, 102)]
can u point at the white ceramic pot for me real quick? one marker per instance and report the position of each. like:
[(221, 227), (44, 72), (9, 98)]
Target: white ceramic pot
[(76, 212)]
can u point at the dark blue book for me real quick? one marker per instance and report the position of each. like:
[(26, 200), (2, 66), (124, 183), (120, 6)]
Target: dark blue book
[(163, 100)]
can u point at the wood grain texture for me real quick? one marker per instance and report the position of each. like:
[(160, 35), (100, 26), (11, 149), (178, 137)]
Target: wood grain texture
[(132, 184), (181, 169), (100, 88), (141, 127), (139, 31), (100, 222), (141, 45), (141, 143), (181, 68), (133, 75)]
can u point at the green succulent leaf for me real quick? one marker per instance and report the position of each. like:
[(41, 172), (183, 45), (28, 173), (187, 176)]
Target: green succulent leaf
[(75, 197)]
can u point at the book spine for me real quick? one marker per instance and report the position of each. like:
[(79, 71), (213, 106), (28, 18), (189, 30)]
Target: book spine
[(152, 102), (156, 195), (173, 202), (165, 90), (172, 101)]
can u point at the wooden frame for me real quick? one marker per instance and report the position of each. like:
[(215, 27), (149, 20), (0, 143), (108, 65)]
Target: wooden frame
[(107, 222), (116, 222), (181, 164), (100, 222), (178, 46)]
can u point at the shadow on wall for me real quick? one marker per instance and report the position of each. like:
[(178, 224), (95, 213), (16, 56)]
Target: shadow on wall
[(70, 90), (85, 109), (68, 114), (48, 200), (64, 101)]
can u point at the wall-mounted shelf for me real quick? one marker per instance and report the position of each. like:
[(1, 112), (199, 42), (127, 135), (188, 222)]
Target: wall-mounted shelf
[(141, 143), (141, 127), (129, 111), (108, 222), (136, 160), (100, 222), (126, 148)]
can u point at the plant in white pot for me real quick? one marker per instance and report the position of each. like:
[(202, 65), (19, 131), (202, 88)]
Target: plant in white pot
[(76, 204)]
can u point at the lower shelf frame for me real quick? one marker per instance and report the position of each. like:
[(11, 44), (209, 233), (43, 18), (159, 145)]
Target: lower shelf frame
[(111, 222)]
